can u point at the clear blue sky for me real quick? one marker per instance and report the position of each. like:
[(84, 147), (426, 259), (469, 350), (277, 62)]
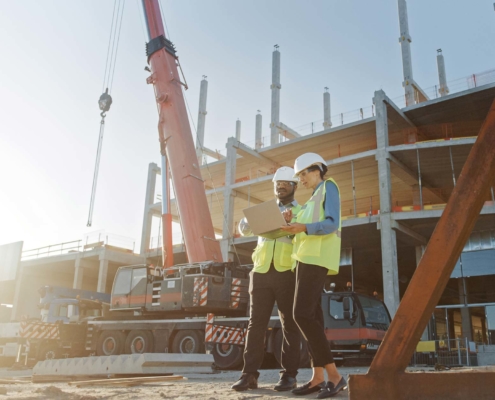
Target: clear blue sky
[(51, 72)]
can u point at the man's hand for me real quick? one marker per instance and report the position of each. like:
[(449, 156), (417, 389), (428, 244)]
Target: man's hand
[(294, 228), (287, 213)]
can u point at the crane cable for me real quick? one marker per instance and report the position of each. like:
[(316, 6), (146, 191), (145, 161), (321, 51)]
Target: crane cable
[(105, 100)]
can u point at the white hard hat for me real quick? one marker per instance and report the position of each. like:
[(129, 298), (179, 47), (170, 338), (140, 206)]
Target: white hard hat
[(306, 161), (284, 174)]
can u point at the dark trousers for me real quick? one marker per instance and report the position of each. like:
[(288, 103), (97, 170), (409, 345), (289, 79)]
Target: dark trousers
[(308, 314), (265, 290)]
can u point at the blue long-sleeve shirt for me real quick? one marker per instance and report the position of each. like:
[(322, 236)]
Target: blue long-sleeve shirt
[(332, 211)]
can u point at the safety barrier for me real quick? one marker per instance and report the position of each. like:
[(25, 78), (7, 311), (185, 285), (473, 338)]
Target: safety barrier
[(443, 354)]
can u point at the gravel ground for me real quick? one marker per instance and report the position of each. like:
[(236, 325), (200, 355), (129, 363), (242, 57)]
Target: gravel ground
[(198, 386)]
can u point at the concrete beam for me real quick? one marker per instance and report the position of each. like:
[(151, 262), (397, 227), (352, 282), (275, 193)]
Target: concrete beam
[(352, 157), (395, 114), (248, 152), (212, 153), (287, 132), (397, 226), (432, 145), (422, 96)]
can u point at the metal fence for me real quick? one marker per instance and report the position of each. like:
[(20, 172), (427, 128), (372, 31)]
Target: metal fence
[(443, 354)]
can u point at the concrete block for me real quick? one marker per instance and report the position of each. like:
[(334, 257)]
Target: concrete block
[(148, 363)]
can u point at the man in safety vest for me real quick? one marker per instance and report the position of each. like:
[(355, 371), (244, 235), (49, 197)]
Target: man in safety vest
[(272, 280)]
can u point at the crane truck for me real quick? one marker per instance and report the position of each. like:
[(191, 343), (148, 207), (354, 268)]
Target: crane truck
[(204, 303)]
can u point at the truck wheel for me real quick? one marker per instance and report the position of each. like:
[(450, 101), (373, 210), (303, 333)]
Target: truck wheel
[(139, 342), (188, 341), (110, 343), (227, 356), (304, 359), (49, 351)]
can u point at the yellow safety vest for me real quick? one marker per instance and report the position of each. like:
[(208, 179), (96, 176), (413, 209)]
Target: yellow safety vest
[(278, 250), (322, 250)]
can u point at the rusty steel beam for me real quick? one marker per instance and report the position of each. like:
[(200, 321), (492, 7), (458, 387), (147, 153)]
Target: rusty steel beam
[(429, 281), (448, 385)]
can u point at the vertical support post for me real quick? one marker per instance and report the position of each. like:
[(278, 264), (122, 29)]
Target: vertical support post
[(102, 276), (238, 130), (200, 132), (442, 76), (353, 188), (388, 236), (327, 122), (258, 144), (452, 165), (275, 87), (228, 199), (167, 242), (419, 180), (405, 44), (148, 202), (78, 274)]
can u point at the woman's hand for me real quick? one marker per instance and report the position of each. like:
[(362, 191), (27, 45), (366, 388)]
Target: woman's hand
[(287, 213), (294, 228)]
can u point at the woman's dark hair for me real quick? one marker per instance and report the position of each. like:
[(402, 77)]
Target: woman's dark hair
[(323, 170)]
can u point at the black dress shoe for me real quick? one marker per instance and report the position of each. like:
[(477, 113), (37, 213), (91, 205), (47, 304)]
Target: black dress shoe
[(331, 390), (285, 383), (245, 382), (307, 389)]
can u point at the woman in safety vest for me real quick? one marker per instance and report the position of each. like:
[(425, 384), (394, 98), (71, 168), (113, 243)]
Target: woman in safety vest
[(317, 252)]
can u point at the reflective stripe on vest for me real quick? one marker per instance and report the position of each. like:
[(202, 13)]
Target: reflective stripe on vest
[(279, 251), (322, 250)]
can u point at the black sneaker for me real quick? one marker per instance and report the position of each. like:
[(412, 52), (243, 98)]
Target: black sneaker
[(331, 390), (245, 382)]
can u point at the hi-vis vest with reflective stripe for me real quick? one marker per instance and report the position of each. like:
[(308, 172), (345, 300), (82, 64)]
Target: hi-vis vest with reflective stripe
[(279, 250), (322, 250)]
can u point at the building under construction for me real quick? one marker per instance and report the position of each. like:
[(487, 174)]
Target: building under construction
[(396, 164)]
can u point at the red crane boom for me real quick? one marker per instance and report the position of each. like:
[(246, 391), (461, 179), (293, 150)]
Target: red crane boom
[(177, 140)]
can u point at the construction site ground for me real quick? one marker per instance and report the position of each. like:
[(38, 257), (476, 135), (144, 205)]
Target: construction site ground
[(197, 386)]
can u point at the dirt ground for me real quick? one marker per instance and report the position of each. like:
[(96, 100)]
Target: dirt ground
[(198, 386)]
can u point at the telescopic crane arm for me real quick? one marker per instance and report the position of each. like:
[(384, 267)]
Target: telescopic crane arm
[(177, 140)]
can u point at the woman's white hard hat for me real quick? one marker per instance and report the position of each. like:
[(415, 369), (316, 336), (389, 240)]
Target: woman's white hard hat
[(307, 160), (284, 174)]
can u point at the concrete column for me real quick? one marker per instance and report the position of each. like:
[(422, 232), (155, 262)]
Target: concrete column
[(442, 76), (228, 202), (405, 43), (327, 122), (200, 133), (238, 130), (102, 276), (276, 86), (78, 274), (388, 238), (148, 202), (420, 250), (258, 144)]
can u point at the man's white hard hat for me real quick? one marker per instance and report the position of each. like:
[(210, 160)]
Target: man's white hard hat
[(284, 174), (306, 161)]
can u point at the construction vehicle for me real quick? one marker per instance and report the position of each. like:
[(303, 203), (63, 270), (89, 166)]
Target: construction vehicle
[(40, 337), (183, 307)]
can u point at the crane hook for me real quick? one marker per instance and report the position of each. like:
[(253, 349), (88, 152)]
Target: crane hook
[(104, 103)]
